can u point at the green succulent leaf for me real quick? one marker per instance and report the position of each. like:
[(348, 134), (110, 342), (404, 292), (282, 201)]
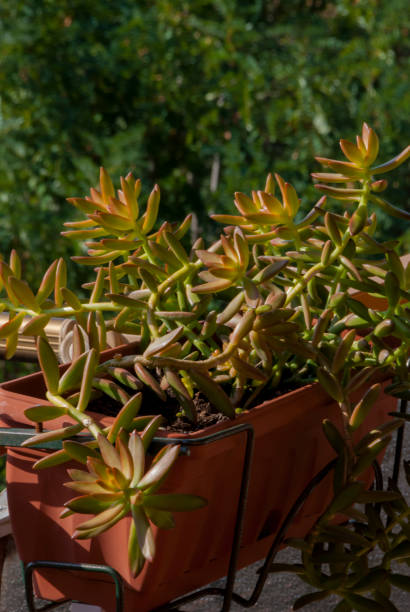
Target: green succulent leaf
[(174, 502), (159, 469), (79, 452), (310, 598), (49, 364), (363, 604), (137, 451), (401, 581), (100, 523), (87, 379), (35, 327), (135, 557), (108, 453), (54, 434), (52, 459), (125, 417), (72, 377), (150, 430), (160, 518), (144, 534), (39, 413)]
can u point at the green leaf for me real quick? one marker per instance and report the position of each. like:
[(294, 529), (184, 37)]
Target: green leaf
[(387, 605), (150, 430), (125, 416), (52, 459), (12, 326), (38, 414), (174, 502), (400, 581), (23, 293), (330, 384), (401, 551), (145, 537), (361, 410), (333, 557), (145, 377), (339, 533), (150, 216), (182, 394), (363, 604), (92, 504), (334, 436), (135, 558), (108, 453), (72, 377), (103, 518), (79, 452), (54, 434), (160, 518), (35, 327), (47, 283), (71, 299), (137, 452), (310, 598), (346, 497), (92, 532), (125, 377), (376, 497), (111, 389), (367, 583), (87, 380), (159, 469), (161, 343), (49, 364), (60, 281), (106, 186), (176, 247)]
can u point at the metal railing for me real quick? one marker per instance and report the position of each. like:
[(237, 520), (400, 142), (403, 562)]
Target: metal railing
[(59, 332)]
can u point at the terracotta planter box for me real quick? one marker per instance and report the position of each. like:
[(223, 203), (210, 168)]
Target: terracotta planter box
[(290, 449)]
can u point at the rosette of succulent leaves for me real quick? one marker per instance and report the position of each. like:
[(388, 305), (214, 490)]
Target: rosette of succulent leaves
[(270, 305)]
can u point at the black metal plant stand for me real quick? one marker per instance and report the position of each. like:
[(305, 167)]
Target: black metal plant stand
[(9, 437)]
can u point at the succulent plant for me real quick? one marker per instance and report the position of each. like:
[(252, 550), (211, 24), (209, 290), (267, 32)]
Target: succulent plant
[(273, 304)]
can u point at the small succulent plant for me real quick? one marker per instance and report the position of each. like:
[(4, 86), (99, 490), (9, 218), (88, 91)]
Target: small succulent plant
[(273, 303), (360, 561)]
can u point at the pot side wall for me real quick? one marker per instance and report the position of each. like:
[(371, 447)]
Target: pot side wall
[(290, 449)]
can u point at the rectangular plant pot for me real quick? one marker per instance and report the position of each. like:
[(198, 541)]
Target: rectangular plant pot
[(290, 449)]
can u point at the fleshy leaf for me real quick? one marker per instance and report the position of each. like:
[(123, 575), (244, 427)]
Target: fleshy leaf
[(157, 471), (49, 364), (44, 413)]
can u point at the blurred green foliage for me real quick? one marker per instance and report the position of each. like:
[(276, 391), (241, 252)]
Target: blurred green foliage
[(203, 97)]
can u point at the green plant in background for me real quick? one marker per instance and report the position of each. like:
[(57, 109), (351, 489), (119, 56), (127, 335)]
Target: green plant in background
[(269, 306), (202, 96), (335, 558)]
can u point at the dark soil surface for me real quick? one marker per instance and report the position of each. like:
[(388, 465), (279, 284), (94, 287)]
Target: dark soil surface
[(174, 421)]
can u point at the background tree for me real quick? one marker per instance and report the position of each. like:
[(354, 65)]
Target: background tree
[(201, 96)]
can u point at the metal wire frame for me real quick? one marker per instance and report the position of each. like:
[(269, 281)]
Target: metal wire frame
[(85, 567), (227, 591)]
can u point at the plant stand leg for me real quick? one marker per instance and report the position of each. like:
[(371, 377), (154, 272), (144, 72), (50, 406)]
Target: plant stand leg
[(84, 567), (227, 591)]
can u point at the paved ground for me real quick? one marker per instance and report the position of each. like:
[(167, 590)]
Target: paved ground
[(279, 593)]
